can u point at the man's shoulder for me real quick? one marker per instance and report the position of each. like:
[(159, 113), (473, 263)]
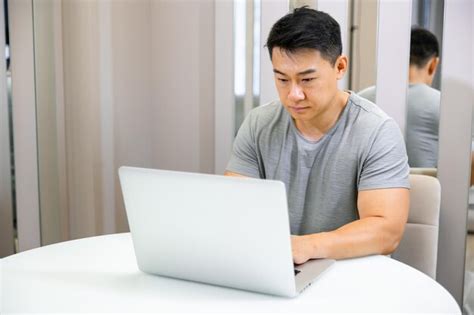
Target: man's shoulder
[(366, 109), (423, 98), (366, 121), (423, 90)]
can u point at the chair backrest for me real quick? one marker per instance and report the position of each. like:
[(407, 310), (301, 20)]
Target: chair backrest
[(419, 245), (430, 171)]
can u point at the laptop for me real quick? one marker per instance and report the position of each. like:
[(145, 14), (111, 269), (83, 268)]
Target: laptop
[(226, 231)]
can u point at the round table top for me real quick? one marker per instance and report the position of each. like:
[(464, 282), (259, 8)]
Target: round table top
[(100, 274)]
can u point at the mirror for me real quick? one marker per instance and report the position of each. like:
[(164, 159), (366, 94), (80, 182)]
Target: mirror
[(423, 95), (423, 125)]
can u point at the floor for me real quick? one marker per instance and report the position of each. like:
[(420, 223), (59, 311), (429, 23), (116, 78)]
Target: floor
[(469, 277)]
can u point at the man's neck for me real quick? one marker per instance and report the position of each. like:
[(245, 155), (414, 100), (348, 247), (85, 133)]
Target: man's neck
[(318, 127), (418, 76)]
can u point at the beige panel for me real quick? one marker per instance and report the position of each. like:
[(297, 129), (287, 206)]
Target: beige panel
[(183, 67), (363, 69), (138, 89), (163, 87), (207, 85), (249, 52), (272, 11), (107, 154), (46, 122), (339, 10), (24, 123), (60, 119), (82, 99), (224, 108), (132, 91)]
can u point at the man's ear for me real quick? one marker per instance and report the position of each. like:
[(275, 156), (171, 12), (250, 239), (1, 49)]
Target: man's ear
[(433, 65), (341, 65)]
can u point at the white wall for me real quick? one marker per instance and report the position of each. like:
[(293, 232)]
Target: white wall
[(339, 10), (457, 95), (272, 11), (363, 64), (392, 62)]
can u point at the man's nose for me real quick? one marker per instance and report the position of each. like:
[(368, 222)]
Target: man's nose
[(296, 93)]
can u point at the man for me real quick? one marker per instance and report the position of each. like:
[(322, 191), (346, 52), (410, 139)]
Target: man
[(423, 101), (341, 158)]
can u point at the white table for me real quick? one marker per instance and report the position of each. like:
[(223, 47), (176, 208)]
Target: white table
[(100, 274)]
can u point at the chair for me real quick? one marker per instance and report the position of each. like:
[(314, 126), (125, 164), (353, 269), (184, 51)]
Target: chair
[(430, 171), (433, 172), (419, 245)]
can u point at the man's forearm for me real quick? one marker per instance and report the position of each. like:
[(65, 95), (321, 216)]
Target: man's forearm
[(363, 237)]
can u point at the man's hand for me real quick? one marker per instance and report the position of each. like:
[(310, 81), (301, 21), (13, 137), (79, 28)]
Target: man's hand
[(302, 248)]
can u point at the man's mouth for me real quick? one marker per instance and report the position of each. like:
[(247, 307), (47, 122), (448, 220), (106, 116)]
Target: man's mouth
[(299, 108)]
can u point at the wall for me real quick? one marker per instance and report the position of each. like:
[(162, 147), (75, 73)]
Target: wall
[(364, 51), (46, 119), (183, 82), (82, 112), (24, 123), (138, 90)]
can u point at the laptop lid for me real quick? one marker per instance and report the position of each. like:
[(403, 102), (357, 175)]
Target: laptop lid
[(225, 231)]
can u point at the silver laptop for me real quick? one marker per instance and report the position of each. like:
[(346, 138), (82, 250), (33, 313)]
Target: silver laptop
[(226, 231)]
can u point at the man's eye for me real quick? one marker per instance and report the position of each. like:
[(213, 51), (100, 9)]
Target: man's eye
[(308, 79), (282, 80)]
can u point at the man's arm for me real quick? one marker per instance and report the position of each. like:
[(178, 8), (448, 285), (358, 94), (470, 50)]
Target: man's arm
[(383, 215)]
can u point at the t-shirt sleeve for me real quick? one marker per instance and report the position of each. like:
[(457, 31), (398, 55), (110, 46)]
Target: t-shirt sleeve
[(243, 159), (386, 164)]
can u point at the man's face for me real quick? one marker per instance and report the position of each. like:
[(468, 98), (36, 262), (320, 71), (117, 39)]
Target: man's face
[(306, 82)]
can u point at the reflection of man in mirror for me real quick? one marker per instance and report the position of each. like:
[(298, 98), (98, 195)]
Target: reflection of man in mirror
[(342, 159), (422, 100)]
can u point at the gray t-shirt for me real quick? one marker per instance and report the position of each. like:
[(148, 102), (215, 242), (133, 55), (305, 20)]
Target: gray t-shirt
[(422, 125), (422, 130), (363, 150)]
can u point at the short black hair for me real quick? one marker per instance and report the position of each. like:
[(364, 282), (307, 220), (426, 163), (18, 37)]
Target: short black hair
[(307, 28), (423, 47)]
